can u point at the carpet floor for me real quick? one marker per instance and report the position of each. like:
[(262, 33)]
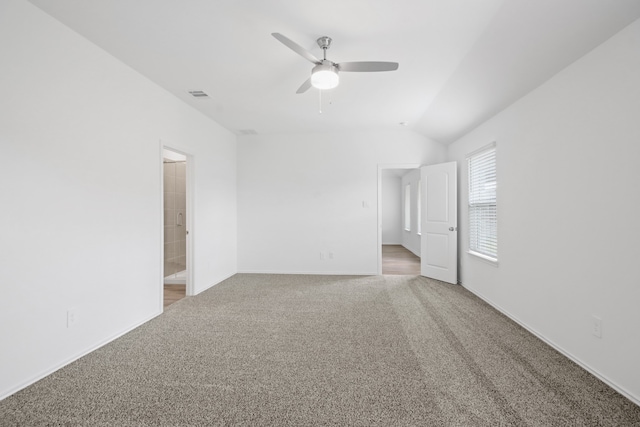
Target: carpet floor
[(293, 350)]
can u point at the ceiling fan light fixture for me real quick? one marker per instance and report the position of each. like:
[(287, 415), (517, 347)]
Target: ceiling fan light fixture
[(325, 76)]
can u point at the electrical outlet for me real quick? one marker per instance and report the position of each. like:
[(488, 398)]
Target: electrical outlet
[(72, 317), (596, 326), (330, 255)]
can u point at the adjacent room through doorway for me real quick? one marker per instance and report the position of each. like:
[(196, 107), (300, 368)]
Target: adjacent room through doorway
[(398, 260), (175, 226), (399, 220)]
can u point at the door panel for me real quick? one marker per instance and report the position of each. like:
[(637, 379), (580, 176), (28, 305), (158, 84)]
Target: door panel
[(437, 185), (439, 241), (437, 250)]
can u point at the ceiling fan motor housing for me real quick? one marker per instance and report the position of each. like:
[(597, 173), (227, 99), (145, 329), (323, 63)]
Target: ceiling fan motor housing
[(325, 75)]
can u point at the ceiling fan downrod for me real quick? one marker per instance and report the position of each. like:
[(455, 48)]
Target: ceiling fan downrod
[(325, 43)]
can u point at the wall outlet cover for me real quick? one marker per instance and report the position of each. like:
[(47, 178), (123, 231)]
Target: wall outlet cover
[(72, 317), (596, 326)]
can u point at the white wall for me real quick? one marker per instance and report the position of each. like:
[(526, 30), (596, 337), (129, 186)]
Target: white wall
[(411, 238), (568, 209), (302, 195), (81, 221), (391, 208)]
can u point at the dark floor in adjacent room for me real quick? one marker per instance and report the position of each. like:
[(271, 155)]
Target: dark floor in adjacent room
[(173, 293), (396, 259)]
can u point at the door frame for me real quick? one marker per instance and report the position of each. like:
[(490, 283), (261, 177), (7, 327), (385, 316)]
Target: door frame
[(189, 223), (381, 167)]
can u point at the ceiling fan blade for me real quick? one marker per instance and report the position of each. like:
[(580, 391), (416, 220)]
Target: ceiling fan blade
[(367, 66), (296, 47), (305, 86)]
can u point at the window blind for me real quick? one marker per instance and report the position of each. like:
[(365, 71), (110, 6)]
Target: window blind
[(483, 208)]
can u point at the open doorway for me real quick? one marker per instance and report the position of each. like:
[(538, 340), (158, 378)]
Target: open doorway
[(398, 220), (175, 226), (429, 216)]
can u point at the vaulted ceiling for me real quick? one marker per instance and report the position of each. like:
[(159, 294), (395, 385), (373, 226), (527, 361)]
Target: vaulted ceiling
[(461, 61)]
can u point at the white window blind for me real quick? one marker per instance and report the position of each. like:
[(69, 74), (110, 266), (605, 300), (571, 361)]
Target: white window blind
[(483, 208)]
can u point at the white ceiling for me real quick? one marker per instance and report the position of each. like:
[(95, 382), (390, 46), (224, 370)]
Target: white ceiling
[(461, 61)]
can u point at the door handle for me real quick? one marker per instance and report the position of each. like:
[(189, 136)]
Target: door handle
[(453, 228)]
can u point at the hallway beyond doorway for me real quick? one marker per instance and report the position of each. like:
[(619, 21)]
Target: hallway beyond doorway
[(173, 293), (397, 260)]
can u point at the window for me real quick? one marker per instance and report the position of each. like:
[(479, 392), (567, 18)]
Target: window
[(407, 207), (419, 208), (483, 208)]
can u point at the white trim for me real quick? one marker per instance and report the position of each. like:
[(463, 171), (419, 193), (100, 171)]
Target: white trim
[(481, 149), (49, 371), (623, 391), (190, 223), (311, 273), (406, 206), (215, 282), (161, 214), (410, 250), (489, 260)]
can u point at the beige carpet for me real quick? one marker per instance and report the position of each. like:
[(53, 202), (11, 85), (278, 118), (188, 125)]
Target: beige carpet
[(276, 350)]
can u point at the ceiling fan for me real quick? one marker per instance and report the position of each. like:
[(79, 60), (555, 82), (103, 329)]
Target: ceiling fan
[(325, 73)]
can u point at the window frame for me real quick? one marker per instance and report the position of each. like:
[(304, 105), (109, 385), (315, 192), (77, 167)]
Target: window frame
[(419, 208), (407, 207), (474, 248)]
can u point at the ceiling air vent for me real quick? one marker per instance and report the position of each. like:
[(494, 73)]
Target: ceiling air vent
[(198, 94), (247, 132)]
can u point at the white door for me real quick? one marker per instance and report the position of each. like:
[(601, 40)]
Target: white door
[(439, 240)]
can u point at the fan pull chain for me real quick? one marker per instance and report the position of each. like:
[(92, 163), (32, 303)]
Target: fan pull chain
[(320, 100)]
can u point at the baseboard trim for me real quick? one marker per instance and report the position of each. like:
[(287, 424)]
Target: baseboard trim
[(412, 251), (312, 273), (215, 282), (623, 391), (72, 359)]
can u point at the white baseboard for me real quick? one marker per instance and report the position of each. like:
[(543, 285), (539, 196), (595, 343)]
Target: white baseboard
[(623, 391), (72, 359), (412, 251), (311, 273), (215, 282)]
